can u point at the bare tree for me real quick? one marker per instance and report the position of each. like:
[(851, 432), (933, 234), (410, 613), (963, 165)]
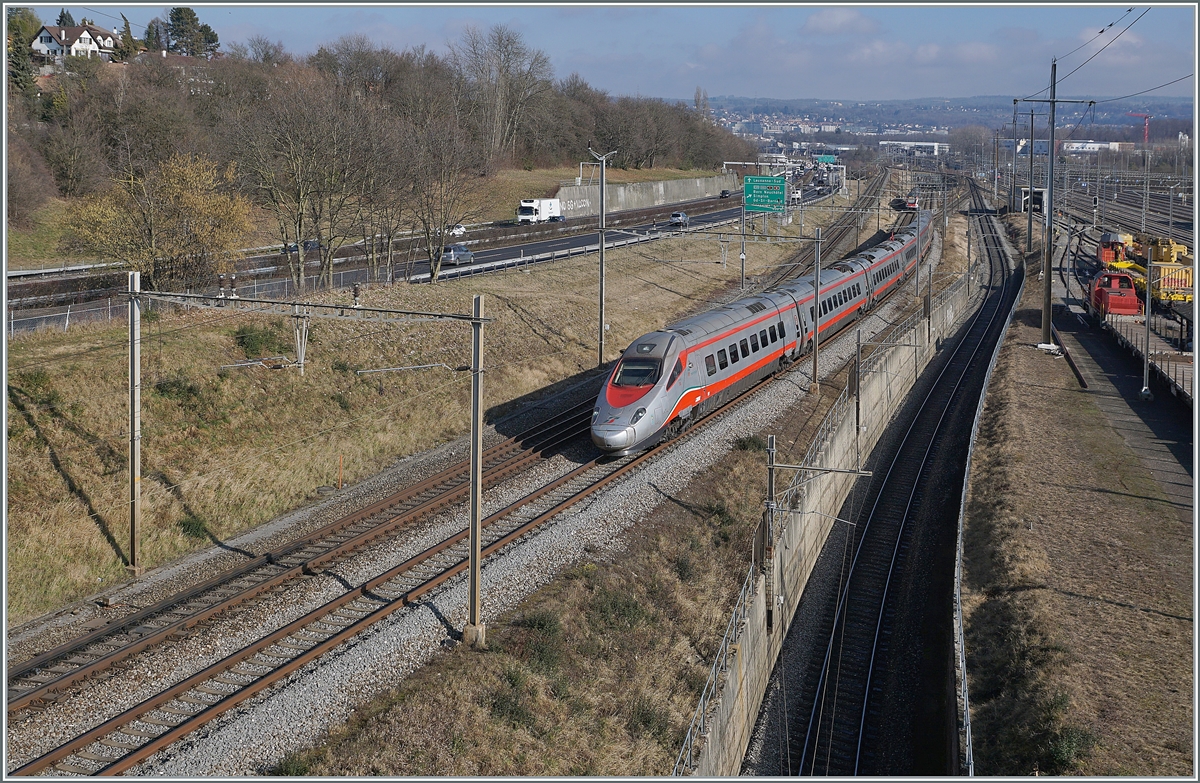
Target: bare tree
[(279, 148), (503, 79)]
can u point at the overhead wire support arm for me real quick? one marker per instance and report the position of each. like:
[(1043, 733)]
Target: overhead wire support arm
[(344, 312)]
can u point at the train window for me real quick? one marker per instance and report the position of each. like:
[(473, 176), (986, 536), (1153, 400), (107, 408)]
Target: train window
[(782, 333), (633, 371), (745, 348), (733, 354), (710, 364), (754, 343), (721, 359), (675, 373), (774, 336), (762, 338)]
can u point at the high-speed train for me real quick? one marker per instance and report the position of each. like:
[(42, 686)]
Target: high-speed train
[(668, 379)]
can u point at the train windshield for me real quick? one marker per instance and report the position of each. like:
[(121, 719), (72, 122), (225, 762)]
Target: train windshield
[(637, 371)]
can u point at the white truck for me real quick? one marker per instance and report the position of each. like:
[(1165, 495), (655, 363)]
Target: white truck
[(539, 210)]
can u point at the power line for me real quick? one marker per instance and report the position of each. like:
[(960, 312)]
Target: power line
[(1097, 35), (1102, 48), (1152, 89)]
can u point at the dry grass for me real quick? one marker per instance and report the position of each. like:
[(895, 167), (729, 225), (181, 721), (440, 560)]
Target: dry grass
[(597, 674), (224, 451), (1079, 585)]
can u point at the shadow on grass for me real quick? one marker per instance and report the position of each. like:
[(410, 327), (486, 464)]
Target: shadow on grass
[(21, 400), (192, 525)]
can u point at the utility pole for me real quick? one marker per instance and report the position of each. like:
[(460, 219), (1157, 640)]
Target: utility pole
[(1029, 206), (1048, 208), (1145, 395), (603, 165), (816, 385), (1047, 277), (1146, 191), (135, 420), (475, 632), (1012, 182)]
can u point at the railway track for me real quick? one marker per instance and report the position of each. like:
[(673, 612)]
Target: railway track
[(802, 262), (49, 675), (843, 710), (125, 740)]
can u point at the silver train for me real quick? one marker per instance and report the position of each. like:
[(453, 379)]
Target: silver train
[(668, 379)]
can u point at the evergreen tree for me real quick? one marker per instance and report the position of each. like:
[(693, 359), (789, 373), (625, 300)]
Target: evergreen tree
[(23, 26), (209, 37), (65, 19), (157, 36), (126, 44), (184, 28)]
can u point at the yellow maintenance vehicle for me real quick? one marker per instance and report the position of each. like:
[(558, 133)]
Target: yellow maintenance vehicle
[(1172, 263)]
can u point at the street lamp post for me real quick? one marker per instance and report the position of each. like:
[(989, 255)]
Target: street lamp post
[(603, 162)]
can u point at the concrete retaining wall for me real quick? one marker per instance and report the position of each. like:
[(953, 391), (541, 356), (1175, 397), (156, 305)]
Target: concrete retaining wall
[(802, 525), (584, 200)]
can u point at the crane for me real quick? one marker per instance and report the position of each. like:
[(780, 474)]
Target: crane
[(1146, 133)]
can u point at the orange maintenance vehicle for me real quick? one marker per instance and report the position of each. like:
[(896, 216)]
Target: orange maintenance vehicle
[(1112, 293)]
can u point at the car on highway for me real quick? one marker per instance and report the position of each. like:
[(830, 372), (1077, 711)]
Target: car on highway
[(725, 194), (457, 230), (457, 254), (679, 219), (309, 245)]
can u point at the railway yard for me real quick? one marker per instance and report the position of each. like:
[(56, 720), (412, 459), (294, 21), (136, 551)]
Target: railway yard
[(321, 633)]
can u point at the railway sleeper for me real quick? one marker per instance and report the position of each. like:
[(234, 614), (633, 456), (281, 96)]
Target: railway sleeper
[(73, 769), (118, 745)]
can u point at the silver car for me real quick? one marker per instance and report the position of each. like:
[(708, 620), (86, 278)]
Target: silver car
[(679, 219), (454, 255)]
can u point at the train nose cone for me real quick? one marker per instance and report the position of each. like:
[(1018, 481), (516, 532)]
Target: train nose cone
[(611, 437)]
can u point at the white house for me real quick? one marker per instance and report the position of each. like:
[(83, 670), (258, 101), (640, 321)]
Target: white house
[(55, 43)]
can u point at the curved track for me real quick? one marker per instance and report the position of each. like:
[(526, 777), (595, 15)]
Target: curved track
[(844, 708)]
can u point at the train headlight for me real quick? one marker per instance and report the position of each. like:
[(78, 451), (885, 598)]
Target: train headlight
[(595, 413), (638, 416)]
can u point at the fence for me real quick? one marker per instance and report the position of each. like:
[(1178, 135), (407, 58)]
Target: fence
[(1168, 359), (721, 727)]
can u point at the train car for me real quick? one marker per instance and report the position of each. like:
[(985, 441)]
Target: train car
[(1113, 293), (911, 201), (668, 379)]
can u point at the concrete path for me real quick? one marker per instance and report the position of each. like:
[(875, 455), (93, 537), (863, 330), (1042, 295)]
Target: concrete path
[(1159, 432)]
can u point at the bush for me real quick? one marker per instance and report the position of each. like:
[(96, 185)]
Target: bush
[(258, 341), (543, 639), (684, 568), (750, 443), (178, 387), (613, 609)]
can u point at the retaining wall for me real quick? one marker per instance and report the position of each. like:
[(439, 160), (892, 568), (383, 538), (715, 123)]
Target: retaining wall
[(797, 532), (584, 200)]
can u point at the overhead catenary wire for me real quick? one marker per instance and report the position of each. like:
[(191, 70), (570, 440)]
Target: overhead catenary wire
[(1112, 41), (1128, 11), (1143, 92)]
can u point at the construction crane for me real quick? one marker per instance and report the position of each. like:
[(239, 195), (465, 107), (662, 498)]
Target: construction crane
[(1146, 133)]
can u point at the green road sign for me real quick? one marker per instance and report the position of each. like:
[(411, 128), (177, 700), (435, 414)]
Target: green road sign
[(827, 159), (764, 194)]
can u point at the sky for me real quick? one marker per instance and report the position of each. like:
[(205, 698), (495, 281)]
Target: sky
[(836, 52)]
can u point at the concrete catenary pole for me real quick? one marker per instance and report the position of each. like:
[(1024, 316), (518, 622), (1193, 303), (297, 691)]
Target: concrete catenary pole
[(816, 385), (1145, 394), (1029, 206), (135, 419), (603, 165), (1012, 180), (474, 634), (1047, 275)]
